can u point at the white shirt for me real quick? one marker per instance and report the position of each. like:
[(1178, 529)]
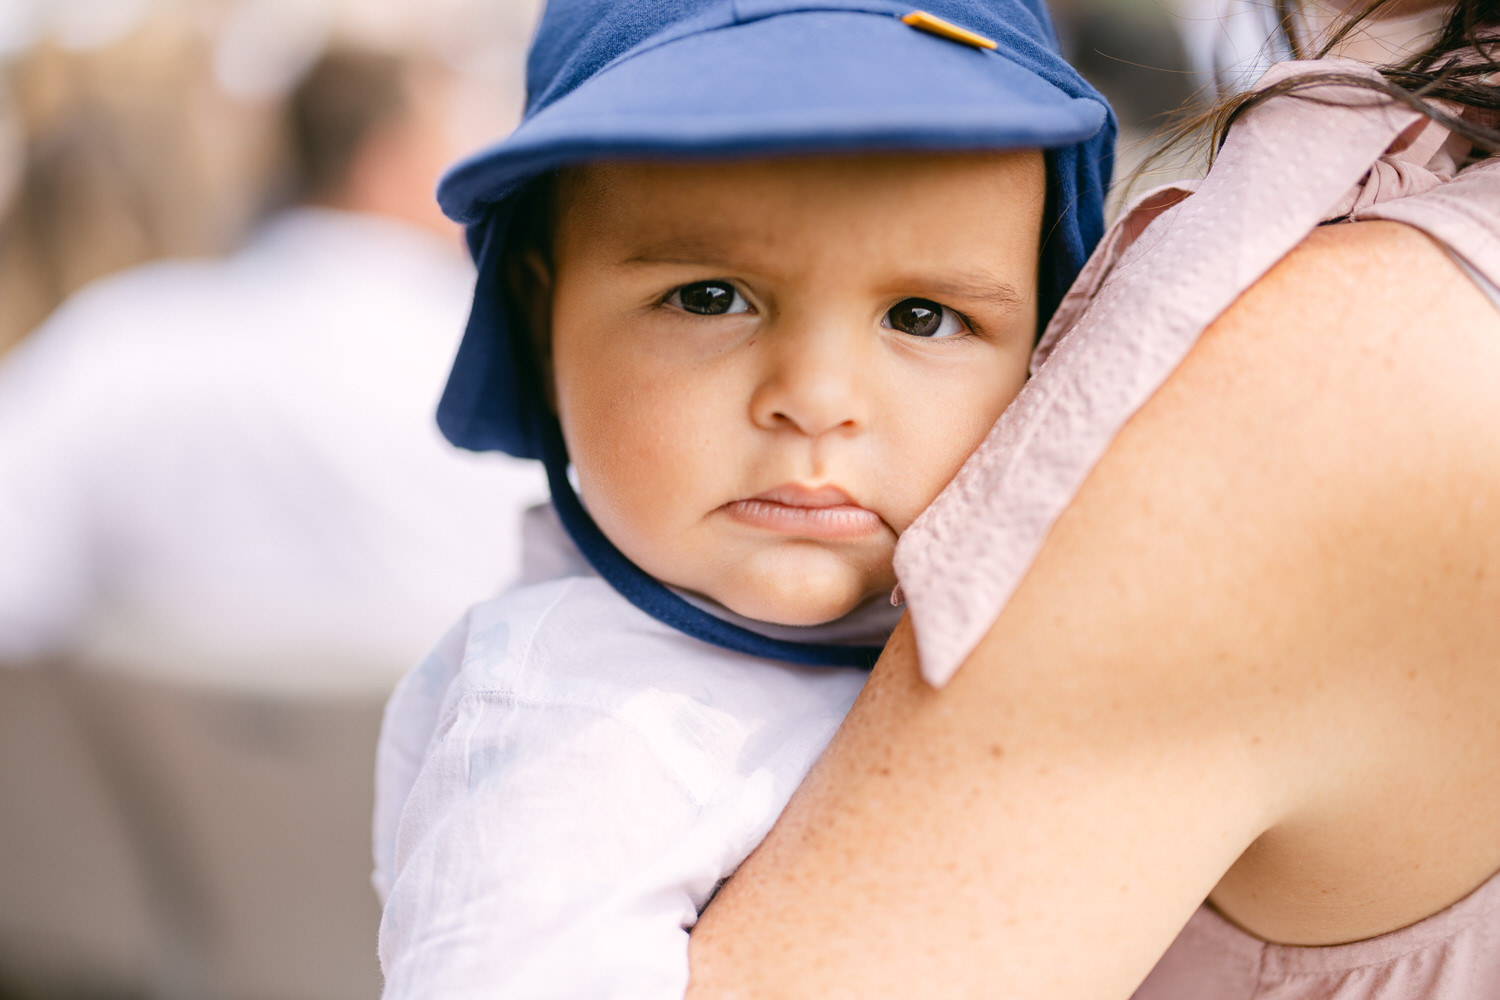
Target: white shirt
[(228, 471), (565, 781)]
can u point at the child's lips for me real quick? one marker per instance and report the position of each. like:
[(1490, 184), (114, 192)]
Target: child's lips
[(824, 513)]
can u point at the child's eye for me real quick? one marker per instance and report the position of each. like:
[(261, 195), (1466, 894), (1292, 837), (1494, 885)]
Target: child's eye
[(709, 298), (923, 318)]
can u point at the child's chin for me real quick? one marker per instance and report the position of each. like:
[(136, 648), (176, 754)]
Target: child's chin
[(797, 584), (793, 605), (801, 616)]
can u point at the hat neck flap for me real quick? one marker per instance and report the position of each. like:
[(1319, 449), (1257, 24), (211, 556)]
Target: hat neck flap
[(654, 598)]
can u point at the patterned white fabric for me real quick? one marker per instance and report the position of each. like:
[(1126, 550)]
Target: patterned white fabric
[(565, 781)]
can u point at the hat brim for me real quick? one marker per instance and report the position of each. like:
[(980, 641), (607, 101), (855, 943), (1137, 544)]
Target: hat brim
[(842, 81)]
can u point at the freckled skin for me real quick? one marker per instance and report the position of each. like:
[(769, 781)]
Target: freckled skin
[(673, 417)]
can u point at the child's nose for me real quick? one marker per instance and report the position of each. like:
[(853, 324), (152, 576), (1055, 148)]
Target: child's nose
[(813, 381)]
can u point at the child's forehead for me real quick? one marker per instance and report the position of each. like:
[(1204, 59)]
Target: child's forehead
[(653, 194), (804, 168), (878, 218)]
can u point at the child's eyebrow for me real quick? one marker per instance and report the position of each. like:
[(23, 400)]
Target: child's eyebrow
[(972, 288), (964, 286), (680, 251)]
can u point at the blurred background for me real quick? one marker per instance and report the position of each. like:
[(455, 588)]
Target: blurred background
[(227, 523)]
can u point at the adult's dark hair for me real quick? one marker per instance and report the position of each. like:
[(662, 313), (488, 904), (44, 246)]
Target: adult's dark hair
[(1460, 68), (344, 97)]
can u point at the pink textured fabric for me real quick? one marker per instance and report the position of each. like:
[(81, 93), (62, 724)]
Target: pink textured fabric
[(1453, 955), (1170, 266)]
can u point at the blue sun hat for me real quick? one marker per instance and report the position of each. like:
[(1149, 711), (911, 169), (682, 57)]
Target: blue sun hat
[(735, 78)]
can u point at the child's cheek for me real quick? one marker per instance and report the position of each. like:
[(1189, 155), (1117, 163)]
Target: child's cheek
[(647, 443)]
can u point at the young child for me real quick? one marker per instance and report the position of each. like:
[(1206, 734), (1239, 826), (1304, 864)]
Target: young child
[(754, 278)]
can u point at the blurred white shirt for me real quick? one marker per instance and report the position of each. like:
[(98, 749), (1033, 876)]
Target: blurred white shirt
[(228, 471)]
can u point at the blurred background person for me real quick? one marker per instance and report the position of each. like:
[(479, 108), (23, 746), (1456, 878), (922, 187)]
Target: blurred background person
[(227, 469), (114, 152), (227, 521), (1132, 51), (228, 524)]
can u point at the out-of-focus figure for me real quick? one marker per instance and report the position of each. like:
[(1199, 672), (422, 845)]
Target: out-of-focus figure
[(1230, 43), (228, 469), (228, 524), (115, 154), (1130, 50)]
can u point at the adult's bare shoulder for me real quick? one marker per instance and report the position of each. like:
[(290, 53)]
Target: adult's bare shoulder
[(1352, 397)]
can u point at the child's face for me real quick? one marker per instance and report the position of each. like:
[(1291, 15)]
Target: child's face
[(766, 370)]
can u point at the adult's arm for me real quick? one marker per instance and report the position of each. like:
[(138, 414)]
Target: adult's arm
[(1256, 653)]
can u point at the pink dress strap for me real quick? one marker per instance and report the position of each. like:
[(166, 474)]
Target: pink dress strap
[(1462, 214), (1167, 269)]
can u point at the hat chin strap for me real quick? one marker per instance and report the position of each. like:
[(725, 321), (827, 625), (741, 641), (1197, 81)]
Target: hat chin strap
[(655, 599)]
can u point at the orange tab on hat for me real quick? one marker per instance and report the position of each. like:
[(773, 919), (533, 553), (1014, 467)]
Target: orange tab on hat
[(934, 25)]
